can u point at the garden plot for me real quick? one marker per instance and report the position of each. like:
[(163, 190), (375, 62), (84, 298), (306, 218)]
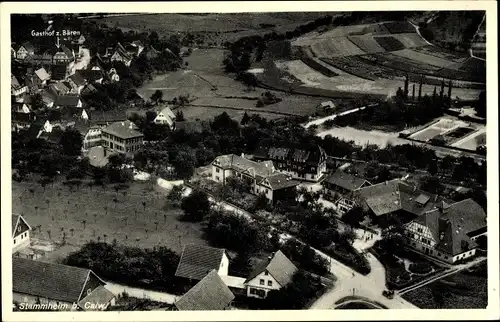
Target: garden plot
[(397, 27), (472, 141), (340, 46), (389, 43), (444, 125), (367, 44), (410, 40), (441, 53), (423, 58)]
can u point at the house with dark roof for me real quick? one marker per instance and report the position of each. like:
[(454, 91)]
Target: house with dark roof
[(92, 76), (42, 286), (306, 164), (339, 187), (72, 101), (209, 294), (198, 260), (121, 54), (16, 87), (262, 177), (59, 72), (272, 274), (21, 115), (25, 50), (449, 231), (122, 137), (20, 232), (395, 201), (77, 81), (48, 97)]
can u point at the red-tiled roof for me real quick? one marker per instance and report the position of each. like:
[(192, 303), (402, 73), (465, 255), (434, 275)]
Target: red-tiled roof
[(197, 260), (208, 294), (52, 281)]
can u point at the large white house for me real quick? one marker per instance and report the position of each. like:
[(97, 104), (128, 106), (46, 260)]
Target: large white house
[(262, 177), (448, 232), (165, 116), (273, 274)]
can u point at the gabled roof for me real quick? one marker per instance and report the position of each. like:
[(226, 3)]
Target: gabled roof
[(15, 220), (124, 130), (345, 180), (280, 180), (232, 161), (59, 88), (310, 155), (14, 83), (42, 74), (78, 79), (91, 75), (97, 297), (53, 281), (452, 225), (28, 46), (67, 100), (279, 267), (167, 112), (66, 49), (197, 260), (58, 72), (208, 294)]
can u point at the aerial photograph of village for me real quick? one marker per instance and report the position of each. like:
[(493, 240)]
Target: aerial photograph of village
[(249, 161)]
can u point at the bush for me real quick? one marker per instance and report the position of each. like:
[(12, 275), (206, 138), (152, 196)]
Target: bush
[(420, 268), (349, 256), (405, 277)]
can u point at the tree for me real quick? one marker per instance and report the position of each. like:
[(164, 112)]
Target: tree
[(37, 102), (157, 96), (196, 206), (245, 119), (179, 116), (71, 142), (432, 184), (481, 105), (354, 216)]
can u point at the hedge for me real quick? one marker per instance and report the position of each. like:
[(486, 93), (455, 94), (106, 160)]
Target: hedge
[(420, 268), (349, 256)]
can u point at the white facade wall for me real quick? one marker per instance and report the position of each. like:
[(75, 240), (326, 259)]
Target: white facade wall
[(262, 282), (21, 241)]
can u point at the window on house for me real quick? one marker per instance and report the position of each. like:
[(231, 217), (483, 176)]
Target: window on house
[(446, 257), (269, 283), (217, 170), (14, 241), (439, 254), (266, 273), (261, 282)]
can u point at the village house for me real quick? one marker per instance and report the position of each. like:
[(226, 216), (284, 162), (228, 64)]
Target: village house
[(44, 57), (20, 233), (210, 293), (91, 133), (48, 97), (40, 285), (43, 76), (262, 177), (272, 274), (113, 76), (16, 88), (59, 88), (449, 231), (165, 116), (71, 101), (63, 55), (121, 54), (303, 164), (339, 187), (92, 76), (197, 260), (13, 53), (59, 72), (21, 115), (77, 82), (122, 137), (395, 201), (25, 50)]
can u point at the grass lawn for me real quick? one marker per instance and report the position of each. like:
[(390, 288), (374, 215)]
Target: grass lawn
[(463, 290), (126, 220)]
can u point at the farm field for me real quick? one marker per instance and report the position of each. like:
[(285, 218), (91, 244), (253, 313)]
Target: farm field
[(350, 83), (367, 43), (126, 220), (459, 291), (423, 58)]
